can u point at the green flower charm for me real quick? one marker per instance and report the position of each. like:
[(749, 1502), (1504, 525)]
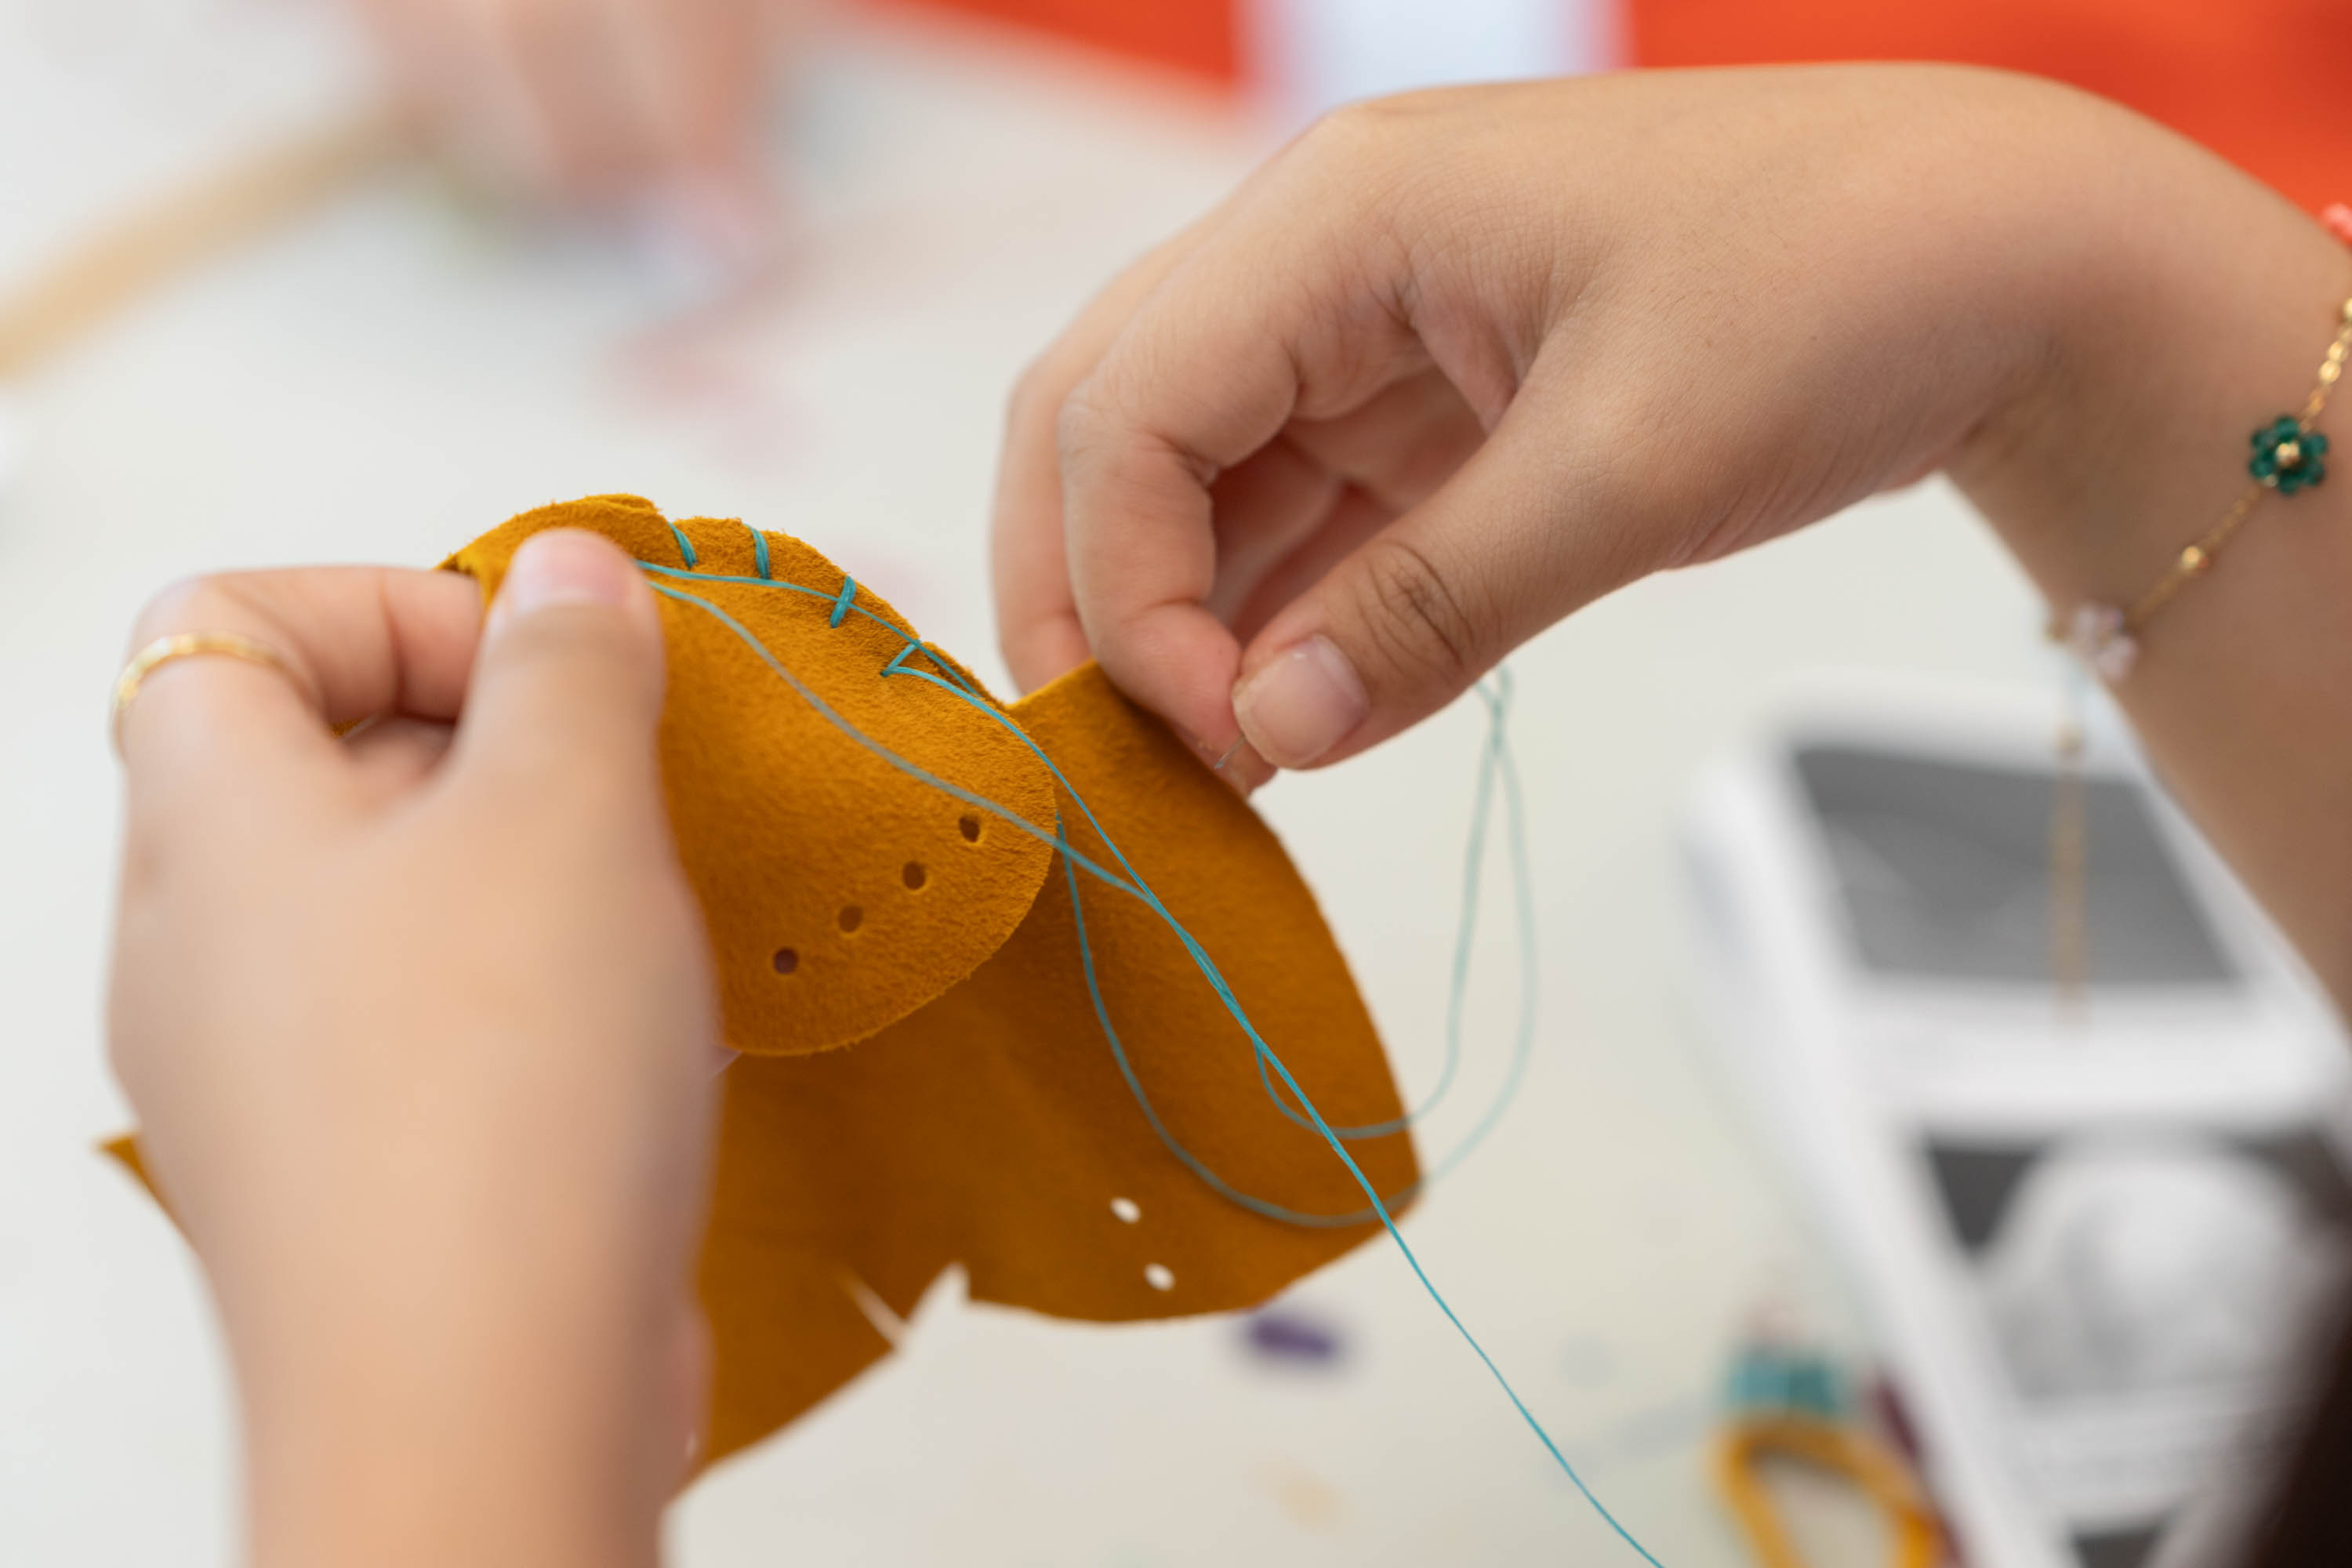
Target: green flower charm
[(2287, 457)]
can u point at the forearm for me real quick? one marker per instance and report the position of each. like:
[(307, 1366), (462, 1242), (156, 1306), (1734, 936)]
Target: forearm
[(2207, 315)]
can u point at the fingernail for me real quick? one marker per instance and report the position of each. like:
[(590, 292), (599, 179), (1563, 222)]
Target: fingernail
[(1303, 704), (562, 566)]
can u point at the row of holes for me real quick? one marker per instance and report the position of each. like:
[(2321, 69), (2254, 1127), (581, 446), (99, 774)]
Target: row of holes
[(1158, 1276), (787, 960)]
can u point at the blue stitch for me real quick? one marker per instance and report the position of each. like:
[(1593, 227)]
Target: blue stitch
[(908, 644), (840, 604), (684, 545), (1141, 890), (759, 552), (1497, 706)]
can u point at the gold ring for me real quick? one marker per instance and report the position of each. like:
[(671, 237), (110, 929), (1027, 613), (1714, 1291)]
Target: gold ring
[(188, 645)]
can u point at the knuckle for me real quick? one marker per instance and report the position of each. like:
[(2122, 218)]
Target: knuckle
[(1353, 128), (215, 601), (177, 606), (1078, 425), (1098, 440), (1398, 129), (1417, 619)]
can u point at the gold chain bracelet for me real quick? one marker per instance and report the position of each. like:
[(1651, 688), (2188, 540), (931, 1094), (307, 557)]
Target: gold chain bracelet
[(2289, 455)]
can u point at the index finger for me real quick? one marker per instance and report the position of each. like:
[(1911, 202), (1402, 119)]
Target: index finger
[(1282, 313), (226, 741), (1037, 625)]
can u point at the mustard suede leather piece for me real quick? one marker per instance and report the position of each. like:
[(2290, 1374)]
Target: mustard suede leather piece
[(980, 1117), (994, 1129), (797, 839)]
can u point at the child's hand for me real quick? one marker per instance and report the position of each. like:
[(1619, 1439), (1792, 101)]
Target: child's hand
[(1456, 363), (420, 1030)]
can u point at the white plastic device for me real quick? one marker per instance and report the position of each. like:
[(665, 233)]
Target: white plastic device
[(2093, 1234)]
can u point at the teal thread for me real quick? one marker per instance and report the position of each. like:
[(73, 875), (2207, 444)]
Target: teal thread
[(1495, 754), (1134, 885), (1497, 757), (684, 545), (848, 596), (1132, 882), (1494, 757), (854, 608), (825, 710), (1497, 762), (759, 553)]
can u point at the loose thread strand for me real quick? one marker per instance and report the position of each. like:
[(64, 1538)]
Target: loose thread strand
[(1522, 1043), (1465, 930)]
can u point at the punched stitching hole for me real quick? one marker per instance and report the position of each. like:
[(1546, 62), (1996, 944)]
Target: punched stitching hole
[(851, 917), (969, 826), (1160, 1276), (914, 876), (786, 960), (1127, 1209)]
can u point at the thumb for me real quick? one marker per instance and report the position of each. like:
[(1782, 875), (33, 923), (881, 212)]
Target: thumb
[(1412, 616), (567, 688)]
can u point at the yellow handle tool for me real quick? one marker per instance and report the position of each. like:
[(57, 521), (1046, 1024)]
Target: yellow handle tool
[(1828, 1445)]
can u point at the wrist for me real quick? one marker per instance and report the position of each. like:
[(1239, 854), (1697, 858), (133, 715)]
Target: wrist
[(2132, 445), (466, 1428), (461, 1467), (2187, 305)]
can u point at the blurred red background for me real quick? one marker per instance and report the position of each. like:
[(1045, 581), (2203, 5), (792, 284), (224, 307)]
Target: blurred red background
[(2261, 82)]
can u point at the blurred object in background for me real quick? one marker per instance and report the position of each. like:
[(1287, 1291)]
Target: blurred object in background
[(1289, 1335), (654, 123), (2095, 1235), (646, 110), (112, 102), (1199, 38), (2251, 81), (148, 245), (1311, 56), (1301, 58), (9, 440), (653, 117), (2259, 82), (175, 131), (1787, 1400), (2123, 1263)]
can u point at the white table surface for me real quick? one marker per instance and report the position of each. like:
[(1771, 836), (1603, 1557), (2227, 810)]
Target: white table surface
[(393, 373)]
